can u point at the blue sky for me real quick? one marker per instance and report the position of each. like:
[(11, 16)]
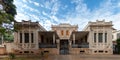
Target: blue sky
[(79, 12)]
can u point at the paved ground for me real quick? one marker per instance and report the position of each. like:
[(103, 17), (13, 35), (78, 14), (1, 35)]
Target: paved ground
[(84, 57), (74, 57)]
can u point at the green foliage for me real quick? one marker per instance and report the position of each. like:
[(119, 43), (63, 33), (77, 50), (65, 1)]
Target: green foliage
[(9, 7), (11, 56), (42, 54), (7, 16), (8, 37), (118, 45), (118, 42)]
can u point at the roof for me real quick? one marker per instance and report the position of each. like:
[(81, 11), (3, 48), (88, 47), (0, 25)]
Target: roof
[(30, 24)]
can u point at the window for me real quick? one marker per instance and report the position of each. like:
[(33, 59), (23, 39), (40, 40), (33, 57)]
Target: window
[(94, 37), (46, 51), (105, 37), (118, 35), (26, 51), (95, 51), (82, 51), (106, 51), (26, 36), (51, 41), (20, 37), (32, 37), (100, 51), (76, 41), (100, 37), (42, 39), (32, 52), (67, 32), (62, 32), (20, 52)]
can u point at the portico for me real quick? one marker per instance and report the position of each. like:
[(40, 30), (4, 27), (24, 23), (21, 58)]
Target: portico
[(79, 42)]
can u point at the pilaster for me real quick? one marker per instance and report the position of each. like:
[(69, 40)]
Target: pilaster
[(73, 38), (53, 38)]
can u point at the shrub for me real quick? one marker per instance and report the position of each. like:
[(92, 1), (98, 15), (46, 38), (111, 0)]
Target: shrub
[(11, 56)]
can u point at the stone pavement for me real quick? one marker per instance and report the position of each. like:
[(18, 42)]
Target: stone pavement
[(74, 57), (83, 57)]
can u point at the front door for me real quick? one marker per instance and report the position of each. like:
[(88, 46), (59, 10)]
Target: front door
[(64, 47)]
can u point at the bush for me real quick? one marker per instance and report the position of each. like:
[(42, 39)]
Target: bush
[(11, 56)]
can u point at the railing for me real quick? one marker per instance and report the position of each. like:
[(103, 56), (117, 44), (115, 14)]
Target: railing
[(47, 45), (80, 45)]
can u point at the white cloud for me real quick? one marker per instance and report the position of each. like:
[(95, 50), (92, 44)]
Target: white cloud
[(82, 14), (30, 1), (44, 13), (21, 16), (64, 7), (55, 8), (119, 4), (24, 1), (47, 24), (32, 16), (35, 3), (41, 5), (54, 18)]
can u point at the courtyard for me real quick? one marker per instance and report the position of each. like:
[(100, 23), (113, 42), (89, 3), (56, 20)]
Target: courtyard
[(65, 57)]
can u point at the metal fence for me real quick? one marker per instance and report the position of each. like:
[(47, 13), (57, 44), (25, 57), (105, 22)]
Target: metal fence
[(47, 45)]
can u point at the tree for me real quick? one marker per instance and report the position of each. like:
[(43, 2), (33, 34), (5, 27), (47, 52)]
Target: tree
[(7, 14), (9, 7), (118, 45)]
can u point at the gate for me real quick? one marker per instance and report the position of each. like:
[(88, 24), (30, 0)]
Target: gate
[(64, 47)]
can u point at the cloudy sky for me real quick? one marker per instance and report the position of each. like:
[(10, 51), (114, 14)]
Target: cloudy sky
[(80, 12)]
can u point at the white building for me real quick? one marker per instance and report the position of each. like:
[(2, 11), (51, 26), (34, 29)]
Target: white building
[(32, 38), (116, 35), (100, 37)]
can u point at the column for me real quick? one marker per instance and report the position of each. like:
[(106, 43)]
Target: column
[(23, 41), (73, 38), (103, 37), (97, 39), (35, 36), (103, 43), (29, 44), (18, 37), (58, 43), (36, 39), (53, 38)]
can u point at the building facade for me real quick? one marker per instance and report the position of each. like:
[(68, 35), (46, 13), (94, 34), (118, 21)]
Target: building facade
[(100, 37), (115, 36), (96, 38)]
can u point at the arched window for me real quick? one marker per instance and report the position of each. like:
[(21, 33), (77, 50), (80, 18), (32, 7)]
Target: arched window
[(62, 32), (67, 32)]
